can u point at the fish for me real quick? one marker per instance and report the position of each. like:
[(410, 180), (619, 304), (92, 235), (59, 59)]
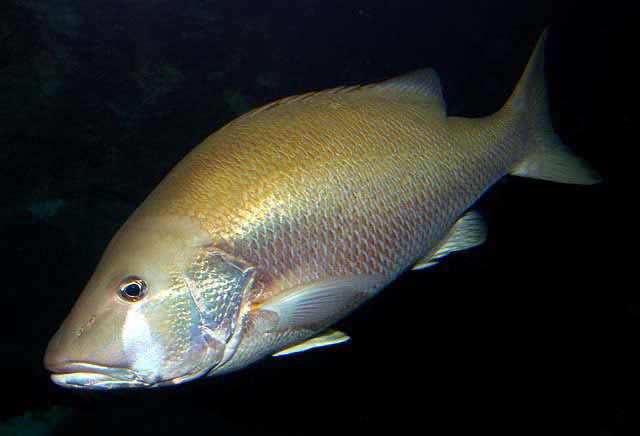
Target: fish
[(290, 217)]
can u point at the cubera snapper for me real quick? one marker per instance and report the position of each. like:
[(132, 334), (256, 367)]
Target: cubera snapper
[(291, 216)]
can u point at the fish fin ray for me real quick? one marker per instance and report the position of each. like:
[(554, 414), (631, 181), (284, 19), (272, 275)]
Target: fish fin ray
[(469, 231), (320, 301), (547, 157), (424, 82), (294, 99), (328, 337)]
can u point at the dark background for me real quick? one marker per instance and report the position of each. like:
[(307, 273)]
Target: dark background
[(535, 332)]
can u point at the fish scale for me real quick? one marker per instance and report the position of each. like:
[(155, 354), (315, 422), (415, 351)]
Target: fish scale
[(357, 179), (291, 216)]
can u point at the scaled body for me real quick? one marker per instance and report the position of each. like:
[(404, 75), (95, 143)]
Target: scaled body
[(288, 218)]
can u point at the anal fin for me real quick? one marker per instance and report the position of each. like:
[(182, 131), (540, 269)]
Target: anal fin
[(328, 337), (470, 230)]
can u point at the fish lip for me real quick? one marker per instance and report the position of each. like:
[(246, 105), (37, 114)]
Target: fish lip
[(92, 376)]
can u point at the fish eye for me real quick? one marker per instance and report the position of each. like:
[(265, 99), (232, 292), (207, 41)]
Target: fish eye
[(132, 289)]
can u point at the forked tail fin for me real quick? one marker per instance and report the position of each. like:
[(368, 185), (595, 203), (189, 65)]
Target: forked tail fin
[(547, 157)]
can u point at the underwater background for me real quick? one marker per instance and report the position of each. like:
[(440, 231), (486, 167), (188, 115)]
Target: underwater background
[(534, 332)]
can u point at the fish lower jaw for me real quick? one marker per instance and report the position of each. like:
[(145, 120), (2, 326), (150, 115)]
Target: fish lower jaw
[(80, 375), (88, 380)]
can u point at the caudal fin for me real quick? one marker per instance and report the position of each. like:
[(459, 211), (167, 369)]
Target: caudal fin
[(547, 157)]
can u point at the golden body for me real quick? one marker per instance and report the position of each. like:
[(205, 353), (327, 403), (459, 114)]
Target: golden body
[(346, 182), (288, 218), (358, 182)]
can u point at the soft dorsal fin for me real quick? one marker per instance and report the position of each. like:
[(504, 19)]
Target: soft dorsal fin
[(424, 82), (328, 337), (469, 231)]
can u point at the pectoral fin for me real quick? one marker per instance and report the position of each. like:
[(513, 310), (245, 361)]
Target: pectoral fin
[(329, 337), (319, 301), (469, 231)]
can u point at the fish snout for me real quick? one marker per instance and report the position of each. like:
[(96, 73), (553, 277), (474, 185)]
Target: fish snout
[(67, 342), (71, 373), (55, 356), (85, 354)]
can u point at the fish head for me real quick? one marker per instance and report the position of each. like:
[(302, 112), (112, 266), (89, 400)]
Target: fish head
[(162, 307)]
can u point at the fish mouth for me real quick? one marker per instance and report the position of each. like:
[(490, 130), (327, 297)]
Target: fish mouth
[(86, 375)]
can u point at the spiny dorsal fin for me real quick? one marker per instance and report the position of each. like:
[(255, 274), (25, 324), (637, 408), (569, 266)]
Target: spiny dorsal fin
[(328, 337), (424, 82), (469, 231), (295, 99)]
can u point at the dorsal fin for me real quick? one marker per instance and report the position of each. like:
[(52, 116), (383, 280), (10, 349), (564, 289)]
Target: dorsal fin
[(297, 98), (424, 82)]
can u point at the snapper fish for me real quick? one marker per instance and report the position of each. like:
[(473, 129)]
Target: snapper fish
[(290, 217)]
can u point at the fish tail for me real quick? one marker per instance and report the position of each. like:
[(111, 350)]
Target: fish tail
[(546, 156)]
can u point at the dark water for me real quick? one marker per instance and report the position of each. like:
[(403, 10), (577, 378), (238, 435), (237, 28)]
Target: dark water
[(534, 332)]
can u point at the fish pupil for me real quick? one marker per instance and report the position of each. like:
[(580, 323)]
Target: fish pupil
[(133, 290)]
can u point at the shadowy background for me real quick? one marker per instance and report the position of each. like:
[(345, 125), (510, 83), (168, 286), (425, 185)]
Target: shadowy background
[(535, 332)]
